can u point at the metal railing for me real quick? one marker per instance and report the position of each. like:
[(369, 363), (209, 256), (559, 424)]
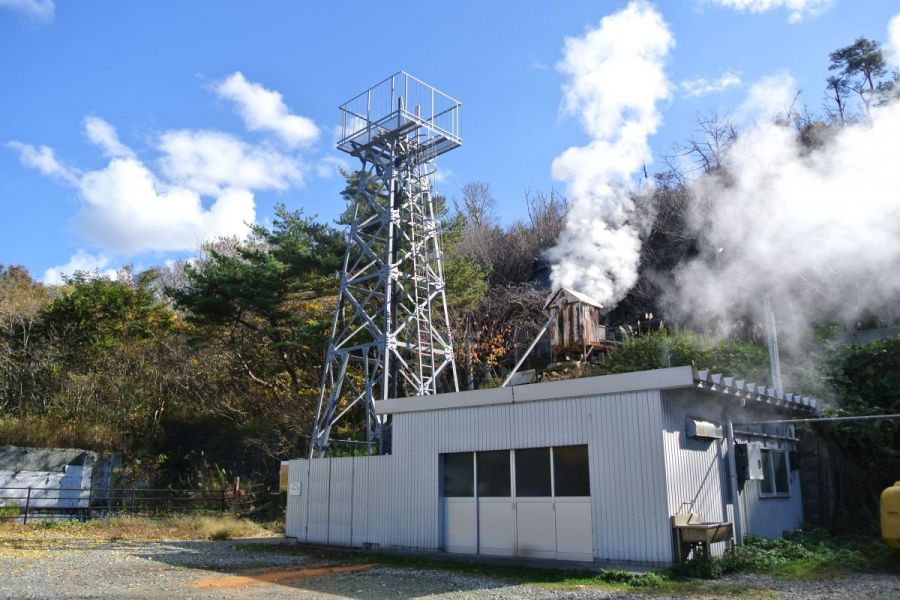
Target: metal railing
[(32, 503), (400, 101)]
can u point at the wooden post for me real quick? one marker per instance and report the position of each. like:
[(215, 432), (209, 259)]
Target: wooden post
[(27, 503), (234, 497)]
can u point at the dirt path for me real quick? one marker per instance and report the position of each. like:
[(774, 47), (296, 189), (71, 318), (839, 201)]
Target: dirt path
[(195, 570)]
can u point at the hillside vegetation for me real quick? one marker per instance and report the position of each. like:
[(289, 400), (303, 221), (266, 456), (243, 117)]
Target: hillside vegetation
[(211, 368)]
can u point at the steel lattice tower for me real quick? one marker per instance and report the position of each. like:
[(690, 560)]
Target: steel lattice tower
[(390, 336)]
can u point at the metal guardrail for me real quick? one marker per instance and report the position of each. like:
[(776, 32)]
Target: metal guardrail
[(21, 504), (401, 102)]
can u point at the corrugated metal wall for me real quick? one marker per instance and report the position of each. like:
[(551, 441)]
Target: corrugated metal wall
[(395, 499), (697, 471), (341, 501), (398, 505), (642, 468)]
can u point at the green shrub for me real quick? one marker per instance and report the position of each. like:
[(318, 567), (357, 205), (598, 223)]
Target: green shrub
[(51, 432), (797, 555), (677, 348)]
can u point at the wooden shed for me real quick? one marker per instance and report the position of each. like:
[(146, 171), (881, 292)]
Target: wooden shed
[(578, 327)]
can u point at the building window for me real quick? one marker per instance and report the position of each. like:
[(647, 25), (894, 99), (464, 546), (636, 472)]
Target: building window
[(493, 474), (775, 473), (533, 473), (560, 471), (459, 475), (570, 469)]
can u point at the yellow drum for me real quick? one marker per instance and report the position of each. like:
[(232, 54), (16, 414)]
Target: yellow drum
[(890, 515)]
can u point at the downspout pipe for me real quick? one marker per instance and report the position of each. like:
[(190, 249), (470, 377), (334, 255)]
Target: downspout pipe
[(737, 526)]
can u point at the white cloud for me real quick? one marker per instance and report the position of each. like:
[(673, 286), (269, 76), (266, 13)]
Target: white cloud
[(694, 88), (598, 252), (211, 161), (104, 135), (44, 160), (81, 262), (200, 186), (330, 166), (265, 110), (770, 96), (893, 45), (128, 210), (798, 9), (40, 9)]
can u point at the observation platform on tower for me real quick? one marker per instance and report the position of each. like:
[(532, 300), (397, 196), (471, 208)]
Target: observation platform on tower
[(401, 106)]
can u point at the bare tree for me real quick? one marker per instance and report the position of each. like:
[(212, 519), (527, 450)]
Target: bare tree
[(837, 96), (478, 204), (547, 216), (707, 146)]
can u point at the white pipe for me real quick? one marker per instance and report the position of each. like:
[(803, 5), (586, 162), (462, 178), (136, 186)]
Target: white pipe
[(737, 528), (772, 334), (530, 348), (824, 419)]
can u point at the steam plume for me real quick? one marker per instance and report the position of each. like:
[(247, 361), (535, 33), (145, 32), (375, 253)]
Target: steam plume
[(615, 79), (817, 228)]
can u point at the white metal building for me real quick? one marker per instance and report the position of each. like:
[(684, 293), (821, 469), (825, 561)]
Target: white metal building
[(586, 469)]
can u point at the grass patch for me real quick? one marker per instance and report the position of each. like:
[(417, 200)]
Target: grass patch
[(799, 555), (180, 527), (49, 432), (9, 510)]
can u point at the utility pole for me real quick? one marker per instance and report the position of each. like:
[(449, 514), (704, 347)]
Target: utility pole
[(772, 335)]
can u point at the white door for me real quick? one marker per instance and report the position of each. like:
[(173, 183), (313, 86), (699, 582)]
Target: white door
[(535, 524), (496, 526), (459, 515), (572, 497), (496, 511), (460, 534), (574, 538), (535, 528), (544, 511)]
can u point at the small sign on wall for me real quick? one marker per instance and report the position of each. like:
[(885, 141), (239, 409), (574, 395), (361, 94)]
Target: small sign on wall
[(283, 476), (294, 489)]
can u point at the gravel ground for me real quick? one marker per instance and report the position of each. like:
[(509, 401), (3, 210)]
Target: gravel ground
[(195, 570)]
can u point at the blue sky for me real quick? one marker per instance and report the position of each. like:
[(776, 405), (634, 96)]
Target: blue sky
[(158, 73)]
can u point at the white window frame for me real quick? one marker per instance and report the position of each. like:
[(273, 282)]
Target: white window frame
[(769, 466)]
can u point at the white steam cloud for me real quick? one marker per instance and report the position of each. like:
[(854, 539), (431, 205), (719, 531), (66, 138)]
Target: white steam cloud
[(770, 97), (893, 45), (818, 229), (615, 80)]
